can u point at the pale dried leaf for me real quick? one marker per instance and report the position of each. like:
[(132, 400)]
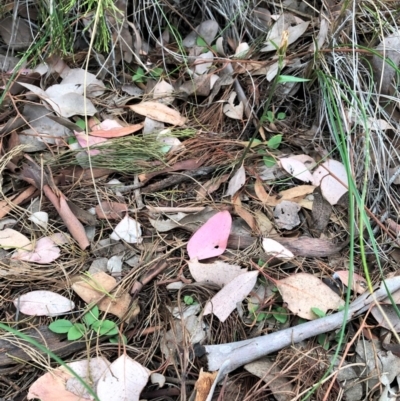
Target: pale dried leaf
[(71, 104), (296, 169), (43, 303), (163, 92), (332, 177), (164, 225), (387, 320), (80, 77), (236, 182), (151, 126), (224, 302), (232, 111), (303, 291), (129, 230), (203, 63), (264, 223), (16, 34), (10, 239), (219, 272), (90, 370), (242, 50), (124, 380), (285, 23), (308, 161), (158, 378), (159, 112), (40, 219), (275, 249), (86, 141), (295, 194), (207, 30)]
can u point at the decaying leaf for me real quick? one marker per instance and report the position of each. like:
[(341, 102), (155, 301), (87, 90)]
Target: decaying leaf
[(233, 111), (96, 290), (43, 303), (207, 30), (224, 302), (387, 320), (286, 215), (220, 273), (111, 210), (163, 91), (303, 291), (211, 186), (159, 112), (211, 238), (241, 211)]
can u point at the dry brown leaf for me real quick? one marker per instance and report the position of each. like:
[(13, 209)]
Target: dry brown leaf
[(159, 112), (11, 239), (359, 284), (390, 315), (244, 214), (211, 186), (7, 205), (294, 194), (264, 224), (95, 290), (261, 192), (117, 132), (224, 302), (111, 210), (303, 291)]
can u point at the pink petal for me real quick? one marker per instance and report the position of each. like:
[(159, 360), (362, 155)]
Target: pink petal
[(211, 238), (87, 140)]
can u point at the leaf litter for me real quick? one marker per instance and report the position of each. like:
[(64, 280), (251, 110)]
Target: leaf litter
[(178, 240)]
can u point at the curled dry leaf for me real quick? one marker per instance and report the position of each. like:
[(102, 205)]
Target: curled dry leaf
[(97, 288), (159, 112), (211, 238), (124, 380), (233, 111), (43, 303), (10, 239), (304, 291), (219, 272), (359, 284), (224, 302), (275, 249), (294, 27), (40, 219), (129, 230)]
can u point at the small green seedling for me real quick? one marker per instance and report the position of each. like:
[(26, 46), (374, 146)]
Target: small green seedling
[(141, 76), (318, 312), (322, 340), (91, 322), (189, 300)]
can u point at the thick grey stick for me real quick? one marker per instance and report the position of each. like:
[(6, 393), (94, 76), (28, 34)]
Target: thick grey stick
[(231, 356)]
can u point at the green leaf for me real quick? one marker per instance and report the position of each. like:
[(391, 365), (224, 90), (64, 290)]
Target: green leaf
[(318, 312), (156, 72), (76, 332), (269, 161), (71, 140), (105, 327), (201, 42), (281, 314), (274, 142), (60, 326), (281, 115), (261, 316), (139, 76), (80, 123), (290, 78), (91, 316), (116, 339), (188, 300)]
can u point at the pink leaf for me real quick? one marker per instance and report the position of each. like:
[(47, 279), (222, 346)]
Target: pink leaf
[(45, 252), (87, 140), (211, 238)]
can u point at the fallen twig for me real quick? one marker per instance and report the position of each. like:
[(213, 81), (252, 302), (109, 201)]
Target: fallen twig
[(230, 356)]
